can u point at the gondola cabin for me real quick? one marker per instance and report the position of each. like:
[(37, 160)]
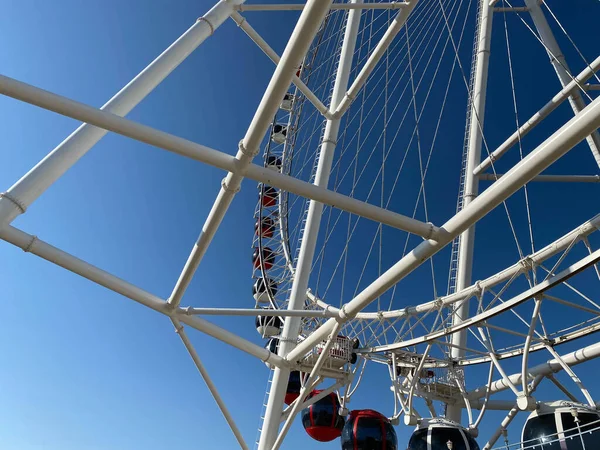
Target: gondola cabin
[(562, 426), (441, 434), (322, 420), (266, 255), (264, 227), (268, 326), (273, 162), (279, 133), (366, 429), (287, 102), (293, 388), (263, 289), (268, 196)]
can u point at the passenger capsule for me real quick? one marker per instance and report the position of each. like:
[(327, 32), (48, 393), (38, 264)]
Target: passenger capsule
[(293, 387), (562, 426), (443, 434), (261, 290), (268, 326), (273, 162), (264, 227), (267, 255), (268, 196), (287, 102), (279, 133), (368, 430), (322, 420), (355, 345)]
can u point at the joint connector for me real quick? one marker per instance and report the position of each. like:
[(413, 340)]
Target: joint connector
[(210, 25), (226, 187), (246, 152), (342, 316), (15, 201), (31, 243)]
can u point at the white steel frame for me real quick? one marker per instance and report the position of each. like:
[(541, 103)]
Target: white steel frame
[(97, 122)]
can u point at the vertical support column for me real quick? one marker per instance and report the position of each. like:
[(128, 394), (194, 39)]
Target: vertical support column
[(467, 238), (292, 325), (558, 61), (33, 184), (297, 47)]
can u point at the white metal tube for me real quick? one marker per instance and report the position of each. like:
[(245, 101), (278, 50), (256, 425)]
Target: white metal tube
[(68, 152), (558, 61), (209, 383), (549, 367), (46, 251), (569, 135), (273, 56), (550, 178), (503, 425), (298, 44), (471, 188), (536, 258), (491, 312), (308, 386), (335, 6), (573, 376), (291, 327), (493, 405), (256, 312), (373, 60), (62, 105), (564, 390), (525, 361), (537, 118)]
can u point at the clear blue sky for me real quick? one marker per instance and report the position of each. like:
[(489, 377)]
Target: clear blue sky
[(84, 368)]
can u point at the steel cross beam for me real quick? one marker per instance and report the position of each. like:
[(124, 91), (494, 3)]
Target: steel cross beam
[(291, 327), (32, 244), (547, 368), (466, 243), (25, 191), (536, 290), (569, 135), (558, 61), (335, 6), (125, 127), (304, 32), (537, 118)]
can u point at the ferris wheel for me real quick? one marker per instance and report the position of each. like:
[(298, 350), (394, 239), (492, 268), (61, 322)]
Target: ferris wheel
[(364, 255)]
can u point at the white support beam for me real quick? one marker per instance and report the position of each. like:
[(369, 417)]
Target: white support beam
[(373, 60), (335, 6), (32, 244), (269, 438), (547, 368), (549, 178), (569, 135), (256, 312), (489, 313), (502, 428), (298, 45), (466, 243), (558, 61), (550, 250), (125, 127), (273, 56), (537, 118), (209, 383), (25, 191)]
